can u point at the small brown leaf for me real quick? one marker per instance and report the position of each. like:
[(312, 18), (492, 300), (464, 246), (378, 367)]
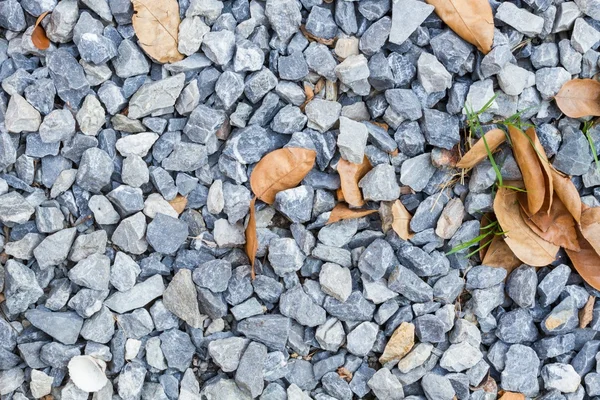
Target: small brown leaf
[(528, 161), (566, 191), (579, 98), (478, 152), (525, 244), (2, 298), (178, 203), (511, 396), (350, 174), (472, 20), (156, 24), (320, 85), (586, 261), (251, 245), (401, 220), (38, 35), (590, 227), (341, 212), (499, 255), (280, 170), (586, 313), (344, 373)]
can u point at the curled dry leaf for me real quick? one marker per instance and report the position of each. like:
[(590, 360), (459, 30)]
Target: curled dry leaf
[(587, 312), (401, 220), (478, 152), (546, 169), (586, 261), (566, 191), (350, 174), (557, 227), (38, 35), (590, 227), (344, 373), (472, 20), (529, 163), (342, 211), (156, 24), (525, 243), (178, 203), (280, 170), (251, 246), (579, 98), (499, 255)]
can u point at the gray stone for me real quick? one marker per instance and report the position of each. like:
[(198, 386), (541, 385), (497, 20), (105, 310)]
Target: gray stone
[(573, 156), (409, 285), (296, 304), (95, 170), (130, 234), (322, 114), (417, 171), (330, 335), (68, 77), (54, 249), (14, 209), (407, 16), (20, 287), (513, 79), (156, 96), (440, 129), (138, 296), (92, 272), (180, 298), (520, 19), (247, 376), (320, 60), (352, 140), (271, 330), (226, 353), (320, 23), (561, 377), (562, 319), (219, 46), (521, 286), (62, 326), (521, 369), (548, 81), (166, 234), (432, 74), (380, 184), (284, 17), (584, 36), (335, 281), (385, 385), (375, 36), (360, 341), (295, 203), (517, 326), (483, 277), (100, 327), (21, 116)]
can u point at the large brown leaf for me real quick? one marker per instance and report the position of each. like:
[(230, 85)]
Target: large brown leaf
[(156, 24), (590, 227), (499, 255), (342, 211), (251, 245), (478, 152), (38, 35), (280, 170), (401, 220), (566, 191), (586, 261), (350, 174), (579, 98), (558, 223), (529, 163), (472, 20), (525, 243)]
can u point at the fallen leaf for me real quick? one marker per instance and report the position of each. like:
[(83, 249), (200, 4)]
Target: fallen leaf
[(178, 203), (280, 170), (486, 219), (579, 98), (320, 85), (472, 20), (566, 191), (528, 161), (2, 298), (586, 313), (511, 396), (478, 152), (156, 24), (586, 261), (401, 220), (499, 255), (339, 194), (546, 169), (400, 343), (38, 35), (524, 243), (341, 211), (558, 225), (344, 373), (385, 213), (251, 245), (350, 174), (590, 227)]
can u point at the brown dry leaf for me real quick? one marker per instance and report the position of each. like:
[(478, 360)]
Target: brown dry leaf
[(251, 246), (557, 226), (472, 20), (590, 227), (586, 261), (342, 211), (344, 373), (586, 313), (350, 174), (566, 191), (2, 298), (178, 203), (528, 161), (546, 169), (156, 24), (401, 220), (525, 244), (280, 170), (499, 255), (38, 35), (510, 396), (339, 195), (486, 219), (320, 85), (478, 152), (579, 98), (381, 125)]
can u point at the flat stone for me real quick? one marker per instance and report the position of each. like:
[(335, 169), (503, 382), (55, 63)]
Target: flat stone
[(138, 296)]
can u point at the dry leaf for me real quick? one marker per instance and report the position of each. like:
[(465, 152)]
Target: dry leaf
[(586, 313), (38, 35), (401, 220), (344, 373), (350, 174), (320, 85), (528, 161), (510, 396), (590, 227), (280, 170), (546, 169), (579, 98), (342, 211), (558, 226), (486, 219), (478, 152), (586, 261), (339, 195), (525, 244), (499, 255), (566, 191), (472, 20), (178, 203), (251, 245), (2, 298), (156, 24)]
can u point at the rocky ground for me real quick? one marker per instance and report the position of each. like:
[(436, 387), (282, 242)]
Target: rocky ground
[(125, 193)]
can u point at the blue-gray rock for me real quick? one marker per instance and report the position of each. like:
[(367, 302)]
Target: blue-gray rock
[(517, 326), (62, 326), (296, 304), (166, 234), (271, 330), (68, 77)]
